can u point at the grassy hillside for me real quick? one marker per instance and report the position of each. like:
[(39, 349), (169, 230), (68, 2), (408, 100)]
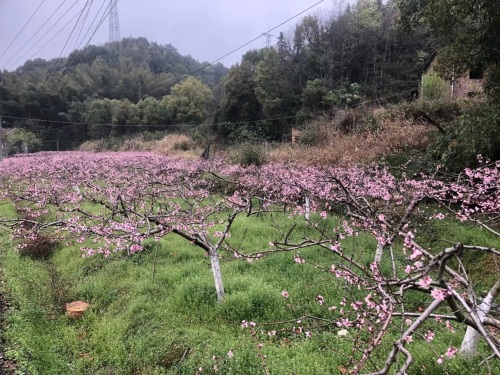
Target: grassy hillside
[(156, 311)]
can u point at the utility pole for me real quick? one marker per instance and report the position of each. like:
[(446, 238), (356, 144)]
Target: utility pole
[(114, 22)]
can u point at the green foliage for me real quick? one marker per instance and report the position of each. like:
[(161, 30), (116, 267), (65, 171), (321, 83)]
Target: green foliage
[(158, 314), (275, 93), (326, 62), (98, 112), (248, 153), (150, 111), (434, 87), (443, 148), (347, 95), (441, 111), (104, 86), (492, 84), (314, 96), (468, 129), (474, 133), (367, 15), (20, 140), (239, 102), (188, 101), (316, 99), (239, 134), (314, 134), (468, 31)]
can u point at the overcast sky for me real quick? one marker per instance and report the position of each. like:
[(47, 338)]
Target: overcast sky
[(204, 29)]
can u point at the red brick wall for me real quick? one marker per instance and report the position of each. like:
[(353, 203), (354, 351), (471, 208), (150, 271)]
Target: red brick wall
[(465, 87)]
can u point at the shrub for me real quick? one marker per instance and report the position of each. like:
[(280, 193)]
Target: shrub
[(249, 154), (434, 87), (345, 121), (492, 83), (184, 145), (92, 146), (474, 133), (172, 144), (439, 110), (39, 248), (153, 136), (20, 139), (241, 133), (314, 134), (391, 136), (135, 144)]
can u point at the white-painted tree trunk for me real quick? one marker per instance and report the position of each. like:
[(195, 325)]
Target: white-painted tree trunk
[(219, 286), (472, 337), (308, 208), (378, 253)]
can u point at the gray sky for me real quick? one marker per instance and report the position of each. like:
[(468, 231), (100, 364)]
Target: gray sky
[(204, 29)]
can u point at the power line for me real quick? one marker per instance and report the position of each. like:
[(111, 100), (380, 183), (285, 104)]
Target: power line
[(78, 58), (60, 54), (80, 25), (72, 56), (40, 28), (92, 23), (112, 6), (83, 25), (217, 60), (246, 44), (78, 53), (50, 40), (315, 113), (19, 33)]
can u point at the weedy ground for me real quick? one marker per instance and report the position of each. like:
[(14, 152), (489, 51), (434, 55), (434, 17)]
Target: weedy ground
[(156, 311)]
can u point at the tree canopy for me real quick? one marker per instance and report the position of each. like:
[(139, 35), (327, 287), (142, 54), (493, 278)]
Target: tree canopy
[(120, 83), (469, 31), (360, 54)]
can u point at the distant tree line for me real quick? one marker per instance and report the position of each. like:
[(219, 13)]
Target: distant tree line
[(131, 82), (371, 51)]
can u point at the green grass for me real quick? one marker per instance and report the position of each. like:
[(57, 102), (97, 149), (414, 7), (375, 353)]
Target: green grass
[(156, 313)]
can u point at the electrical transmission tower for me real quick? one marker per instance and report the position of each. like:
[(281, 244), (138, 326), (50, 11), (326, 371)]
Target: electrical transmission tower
[(268, 39), (114, 22)]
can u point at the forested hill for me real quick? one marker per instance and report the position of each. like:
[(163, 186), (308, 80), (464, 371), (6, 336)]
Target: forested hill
[(131, 69), (328, 61), (370, 53)]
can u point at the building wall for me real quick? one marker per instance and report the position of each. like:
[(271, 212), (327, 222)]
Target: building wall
[(465, 87)]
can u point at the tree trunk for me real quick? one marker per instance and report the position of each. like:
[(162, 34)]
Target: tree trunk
[(471, 338), (308, 208), (219, 286), (378, 253)]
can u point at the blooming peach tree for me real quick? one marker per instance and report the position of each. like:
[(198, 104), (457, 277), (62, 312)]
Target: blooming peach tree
[(115, 201)]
